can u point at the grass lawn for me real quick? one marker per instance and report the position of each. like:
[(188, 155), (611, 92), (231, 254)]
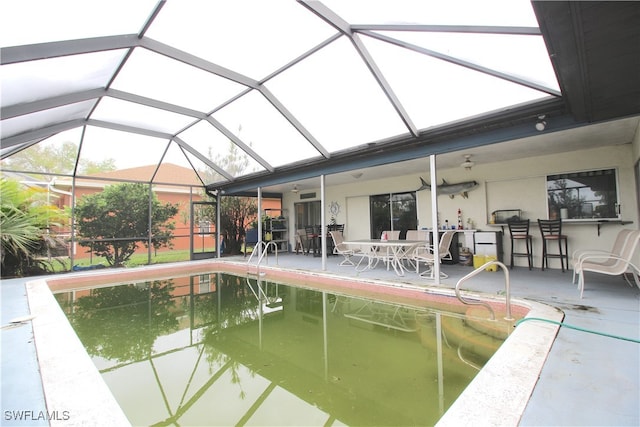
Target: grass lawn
[(64, 264)]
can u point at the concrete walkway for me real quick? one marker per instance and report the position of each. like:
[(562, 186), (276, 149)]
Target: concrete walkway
[(588, 379), (22, 393)]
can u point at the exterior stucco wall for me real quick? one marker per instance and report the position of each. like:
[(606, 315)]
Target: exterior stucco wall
[(517, 184)]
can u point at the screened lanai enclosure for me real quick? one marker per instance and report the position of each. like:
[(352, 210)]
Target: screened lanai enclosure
[(206, 99)]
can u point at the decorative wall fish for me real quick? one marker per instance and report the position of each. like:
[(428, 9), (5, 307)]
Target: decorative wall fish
[(451, 189)]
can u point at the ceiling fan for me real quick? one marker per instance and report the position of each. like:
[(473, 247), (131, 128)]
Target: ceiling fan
[(467, 164)]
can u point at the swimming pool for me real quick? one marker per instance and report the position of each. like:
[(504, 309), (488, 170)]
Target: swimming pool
[(270, 365)]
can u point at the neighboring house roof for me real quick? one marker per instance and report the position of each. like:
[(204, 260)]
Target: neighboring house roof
[(172, 178), (167, 173)]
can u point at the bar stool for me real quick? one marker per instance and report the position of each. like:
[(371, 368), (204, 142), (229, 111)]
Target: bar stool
[(551, 231), (519, 231), (312, 239)]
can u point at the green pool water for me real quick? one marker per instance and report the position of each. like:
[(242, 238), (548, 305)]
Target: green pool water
[(221, 349)]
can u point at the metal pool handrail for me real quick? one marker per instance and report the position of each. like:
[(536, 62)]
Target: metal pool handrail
[(264, 251), (507, 286)]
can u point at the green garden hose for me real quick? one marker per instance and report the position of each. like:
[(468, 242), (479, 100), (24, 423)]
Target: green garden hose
[(577, 328)]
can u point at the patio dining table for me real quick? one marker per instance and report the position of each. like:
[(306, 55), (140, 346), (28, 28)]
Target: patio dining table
[(390, 251)]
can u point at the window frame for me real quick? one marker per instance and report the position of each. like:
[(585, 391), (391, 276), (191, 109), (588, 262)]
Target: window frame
[(390, 201), (615, 209)]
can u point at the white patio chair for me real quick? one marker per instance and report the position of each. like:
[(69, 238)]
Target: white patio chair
[(300, 238), (392, 235), (428, 257), (340, 248), (416, 235), (610, 263), (621, 240), (422, 235), (407, 253)]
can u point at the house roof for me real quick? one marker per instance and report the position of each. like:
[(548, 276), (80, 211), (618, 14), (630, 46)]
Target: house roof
[(166, 173), (317, 88)]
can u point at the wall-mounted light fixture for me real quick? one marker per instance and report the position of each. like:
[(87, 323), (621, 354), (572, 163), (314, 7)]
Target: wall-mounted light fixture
[(541, 124)]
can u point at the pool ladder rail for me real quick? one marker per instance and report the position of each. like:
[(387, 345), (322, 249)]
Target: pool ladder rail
[(507, 286), (263, 249)]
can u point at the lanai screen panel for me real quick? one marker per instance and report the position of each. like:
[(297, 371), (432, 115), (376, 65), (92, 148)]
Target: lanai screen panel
[(126, 150), (492, 51), (421, 12), (54, 155), (422, 82), (34, 21), (214, 145), (335, 96), (140, 116), (267, 83), (45, 118), (251, 38), (155, 76)]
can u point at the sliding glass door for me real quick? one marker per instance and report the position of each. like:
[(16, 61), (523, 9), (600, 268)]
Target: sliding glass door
[(395, 211), (307, 213)]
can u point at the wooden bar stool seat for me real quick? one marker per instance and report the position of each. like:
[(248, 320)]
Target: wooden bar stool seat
[(551, 231), (519, 231)]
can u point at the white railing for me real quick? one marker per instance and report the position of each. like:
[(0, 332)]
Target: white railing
[(507, 286), (263, 249)]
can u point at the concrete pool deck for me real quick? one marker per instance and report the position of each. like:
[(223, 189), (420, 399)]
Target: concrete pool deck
[(588, 379)]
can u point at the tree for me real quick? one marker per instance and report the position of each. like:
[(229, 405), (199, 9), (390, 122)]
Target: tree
[(56, 159), (117, 219), (234, 162), (235, 211), (25, 217), (89, 167)]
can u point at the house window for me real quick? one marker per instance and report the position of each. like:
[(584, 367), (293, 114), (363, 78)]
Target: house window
[(583, 195)]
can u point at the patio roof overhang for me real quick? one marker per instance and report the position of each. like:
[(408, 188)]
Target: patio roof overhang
[(500, 127)]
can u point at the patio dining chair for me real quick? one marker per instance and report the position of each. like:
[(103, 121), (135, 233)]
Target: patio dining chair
[(333, 227), (610, 263), (300, 238), (428, 257), (340, 248), (392, 235), (407, 253), (418, 235)]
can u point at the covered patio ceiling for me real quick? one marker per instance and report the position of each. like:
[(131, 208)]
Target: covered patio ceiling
[(252, 93)]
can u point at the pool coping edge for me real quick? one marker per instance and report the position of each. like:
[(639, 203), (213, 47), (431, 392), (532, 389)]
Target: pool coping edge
[(75, 392)]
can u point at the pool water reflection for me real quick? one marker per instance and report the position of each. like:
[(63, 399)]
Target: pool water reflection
[(222, 349)]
